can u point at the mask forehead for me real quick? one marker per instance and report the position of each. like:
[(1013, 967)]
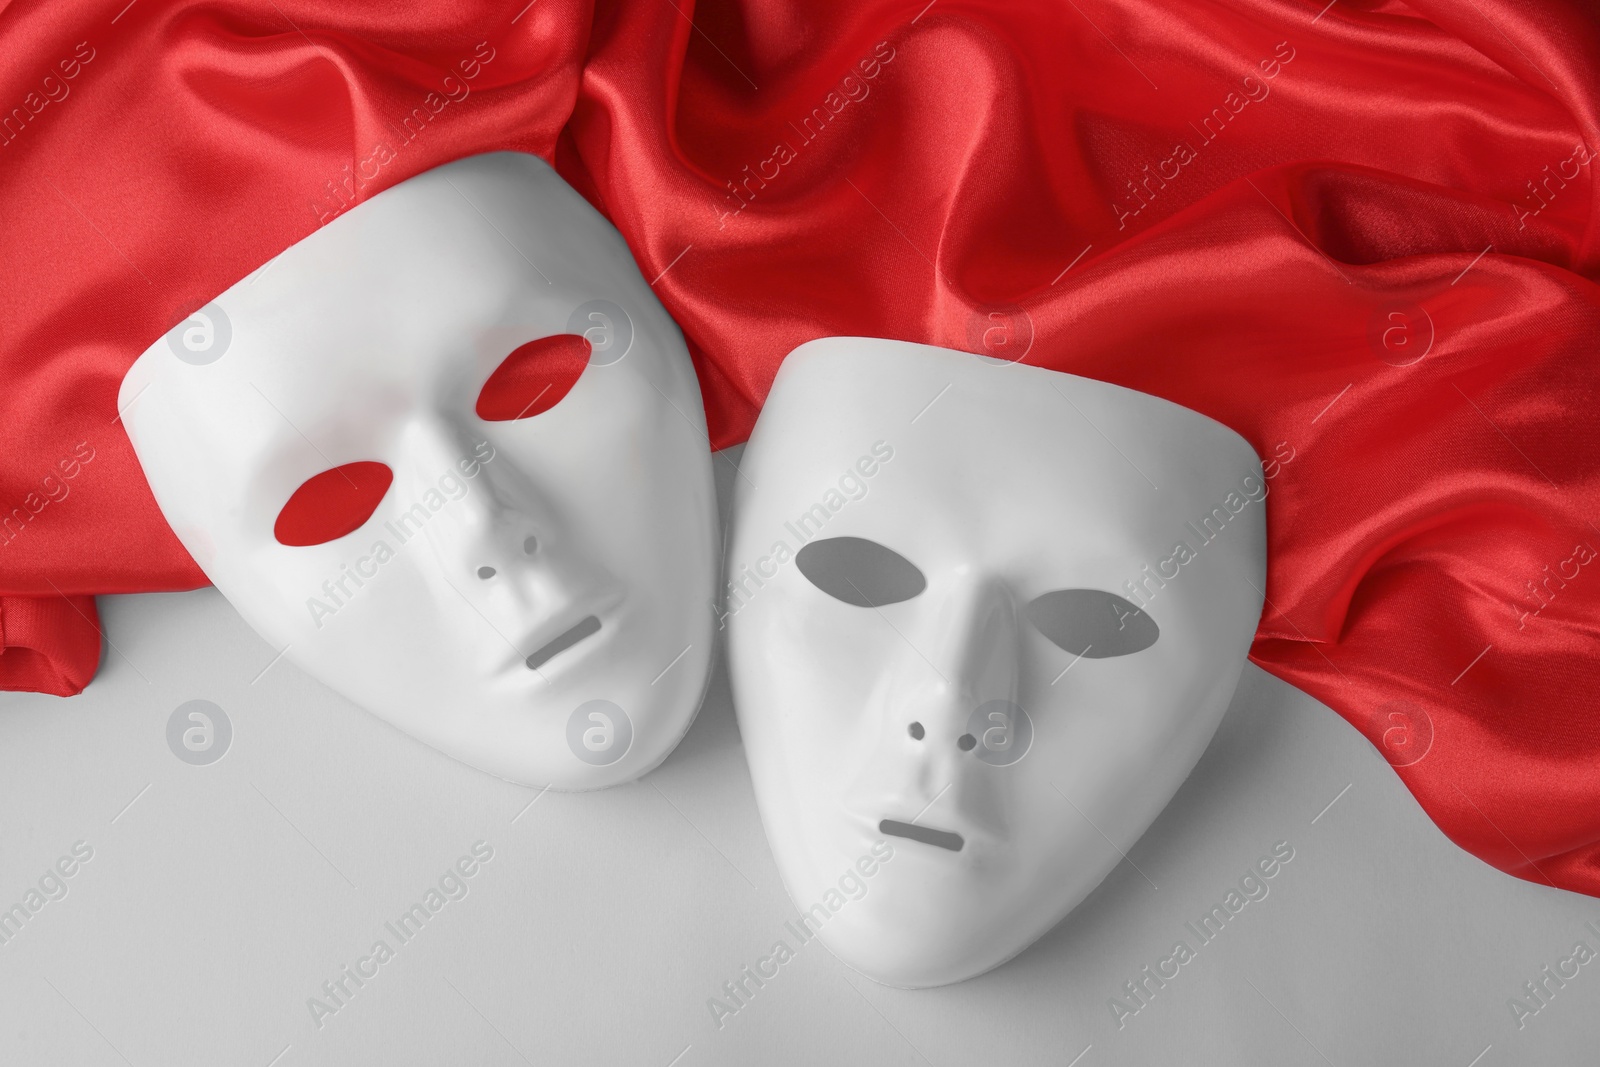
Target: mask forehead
[(408, 301), (1012, 466)]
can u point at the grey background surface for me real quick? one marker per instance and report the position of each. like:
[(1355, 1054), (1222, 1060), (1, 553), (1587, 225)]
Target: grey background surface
[(220, 898)]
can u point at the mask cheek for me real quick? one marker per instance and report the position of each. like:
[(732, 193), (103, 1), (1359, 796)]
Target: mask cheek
[(822, 665), (304, 595), (1099, 723), (797, 680)]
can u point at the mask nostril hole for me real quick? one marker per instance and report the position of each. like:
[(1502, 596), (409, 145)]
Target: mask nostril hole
[(967, 743), (485, 572), (530, 545), (917, 731)]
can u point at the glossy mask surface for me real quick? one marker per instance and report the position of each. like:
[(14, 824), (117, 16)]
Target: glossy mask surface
[(989, 614), (519, 467)]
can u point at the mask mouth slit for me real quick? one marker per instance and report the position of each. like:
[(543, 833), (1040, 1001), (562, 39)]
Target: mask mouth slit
[(939, 838), (587, 628)]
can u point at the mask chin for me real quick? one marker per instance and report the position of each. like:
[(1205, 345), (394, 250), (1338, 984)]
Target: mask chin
[(983, 620), (438, 455)]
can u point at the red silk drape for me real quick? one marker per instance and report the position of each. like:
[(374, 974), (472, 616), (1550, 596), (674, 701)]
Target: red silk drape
[(1361, 235)]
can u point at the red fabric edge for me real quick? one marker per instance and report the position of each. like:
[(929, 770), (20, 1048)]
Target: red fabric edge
[(48, 644)]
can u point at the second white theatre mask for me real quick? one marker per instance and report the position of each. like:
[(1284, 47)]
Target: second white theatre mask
[(983, 620)]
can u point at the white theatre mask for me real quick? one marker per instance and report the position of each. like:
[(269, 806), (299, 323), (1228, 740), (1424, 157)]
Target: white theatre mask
[(983, 620), (448, 454)]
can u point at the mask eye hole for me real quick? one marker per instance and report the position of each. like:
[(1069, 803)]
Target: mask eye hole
[(533, 378), (332, 504), (1093, 623), (860, 572)]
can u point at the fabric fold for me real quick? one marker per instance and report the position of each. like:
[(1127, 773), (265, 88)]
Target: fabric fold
[(1361, 234)]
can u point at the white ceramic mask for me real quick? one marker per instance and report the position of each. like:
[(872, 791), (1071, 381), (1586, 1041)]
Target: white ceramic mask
[(513, 557), (983, 620)]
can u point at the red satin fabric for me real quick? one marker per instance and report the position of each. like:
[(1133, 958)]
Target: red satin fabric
[(1362, 237)]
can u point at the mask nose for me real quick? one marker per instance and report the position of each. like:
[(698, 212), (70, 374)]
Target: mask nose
[(925, 768), (499, 542)]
